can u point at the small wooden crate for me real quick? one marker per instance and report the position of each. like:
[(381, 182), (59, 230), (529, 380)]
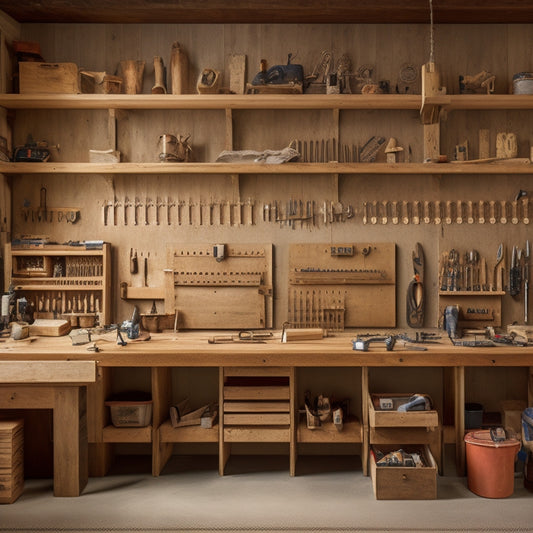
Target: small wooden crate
[(404, 483), (11, 460), (394, 418), (54, 78)]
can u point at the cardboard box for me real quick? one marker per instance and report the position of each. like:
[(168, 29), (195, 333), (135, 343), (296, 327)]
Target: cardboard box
[(404, 483), (11, 460), (511, 411), (52, 78)]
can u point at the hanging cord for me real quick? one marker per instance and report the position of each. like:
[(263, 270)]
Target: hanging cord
[(431, 36)]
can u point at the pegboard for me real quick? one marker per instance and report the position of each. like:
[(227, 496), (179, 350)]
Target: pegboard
[(342, 285), (223, 286)]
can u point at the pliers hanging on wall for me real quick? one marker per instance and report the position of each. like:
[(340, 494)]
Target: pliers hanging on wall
[(415, 291)]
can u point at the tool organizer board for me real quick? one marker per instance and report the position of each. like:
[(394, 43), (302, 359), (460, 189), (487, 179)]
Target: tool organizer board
[(342, 285), (234, 293)]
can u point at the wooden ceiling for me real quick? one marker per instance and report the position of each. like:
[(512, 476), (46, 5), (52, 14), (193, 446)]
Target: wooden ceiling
[(268, 11)]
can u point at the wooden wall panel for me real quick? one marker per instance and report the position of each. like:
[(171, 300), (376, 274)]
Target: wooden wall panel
[(459, 49)]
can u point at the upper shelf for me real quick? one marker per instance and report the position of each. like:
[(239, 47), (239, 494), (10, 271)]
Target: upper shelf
[(264, 101), (261, 168), (210, 101)]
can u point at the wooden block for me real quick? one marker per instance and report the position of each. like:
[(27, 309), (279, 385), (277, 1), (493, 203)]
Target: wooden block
[(237, 73), (46, 372), (404, 483), (49, 327), (484, 145), (56, 78), (11, 460)]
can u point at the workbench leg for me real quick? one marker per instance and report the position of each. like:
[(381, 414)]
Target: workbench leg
[(224, 448), (162, 399), (293, 447), (100, 458), (459, 394), (70, 441), (364, 420)]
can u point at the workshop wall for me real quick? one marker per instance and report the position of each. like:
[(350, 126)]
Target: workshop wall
[(459, 49)]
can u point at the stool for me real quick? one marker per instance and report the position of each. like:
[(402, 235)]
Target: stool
[(11, 460)]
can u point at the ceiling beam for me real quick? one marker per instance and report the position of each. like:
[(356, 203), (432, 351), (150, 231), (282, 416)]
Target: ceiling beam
[(268, 11)]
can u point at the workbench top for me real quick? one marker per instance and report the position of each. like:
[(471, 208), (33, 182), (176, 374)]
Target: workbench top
[(193, 349)]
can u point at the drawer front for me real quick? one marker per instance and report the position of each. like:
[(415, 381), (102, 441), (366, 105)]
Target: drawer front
[(404, 483)]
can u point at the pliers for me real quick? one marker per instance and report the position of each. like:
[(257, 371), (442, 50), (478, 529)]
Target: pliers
[(415, 291)]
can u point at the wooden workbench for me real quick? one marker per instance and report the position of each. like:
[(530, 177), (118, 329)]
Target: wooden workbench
[(190, 349)]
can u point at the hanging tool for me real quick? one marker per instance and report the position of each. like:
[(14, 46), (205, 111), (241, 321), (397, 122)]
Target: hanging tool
[(415, 290), (526, 281), (499, 267), (515, 274)]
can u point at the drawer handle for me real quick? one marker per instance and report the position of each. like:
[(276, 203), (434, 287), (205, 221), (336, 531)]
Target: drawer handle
[(404, 477)]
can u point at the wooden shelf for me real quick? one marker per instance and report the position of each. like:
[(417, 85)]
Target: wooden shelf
[(207, 101), (265, 101), (352, 432), (187, 433), (135, 434), (258, 168), (492, 102)]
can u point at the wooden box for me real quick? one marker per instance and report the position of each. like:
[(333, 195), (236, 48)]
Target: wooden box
[(404, 483), (55, 78), (394, 418), (11, 460)]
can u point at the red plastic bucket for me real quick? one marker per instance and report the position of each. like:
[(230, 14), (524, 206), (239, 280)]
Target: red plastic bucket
[(490, 465)]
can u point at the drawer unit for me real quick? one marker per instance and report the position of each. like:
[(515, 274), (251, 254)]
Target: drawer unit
[(388, 426), (256, 405), (404, 483)]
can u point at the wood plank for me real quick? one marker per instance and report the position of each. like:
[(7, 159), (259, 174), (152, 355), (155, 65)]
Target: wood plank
[(26, 397), (47, 371), (289, 168), (188, 433), (256, 419), (256, 393), (137, 434), (257, 407), (256, 371), (351, 433), (254, 434), (70, 441)]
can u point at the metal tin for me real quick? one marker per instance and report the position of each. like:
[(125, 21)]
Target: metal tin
[(523, 83)]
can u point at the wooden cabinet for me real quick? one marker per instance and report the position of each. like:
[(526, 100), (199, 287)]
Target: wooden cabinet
[(70, 282)]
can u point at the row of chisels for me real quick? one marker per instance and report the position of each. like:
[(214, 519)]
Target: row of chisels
[(447, 212), (169, 212)]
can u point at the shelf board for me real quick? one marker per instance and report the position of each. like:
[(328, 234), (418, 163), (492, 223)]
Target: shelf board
[(260, 168), (127, 434), (264, 101), (187, 433), (352, 432), (210, 101), (493, 102)]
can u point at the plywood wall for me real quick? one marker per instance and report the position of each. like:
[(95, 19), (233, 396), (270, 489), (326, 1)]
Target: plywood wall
[(464, 49)]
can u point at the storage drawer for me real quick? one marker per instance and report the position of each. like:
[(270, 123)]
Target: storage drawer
[(393, 418), (404, 483)]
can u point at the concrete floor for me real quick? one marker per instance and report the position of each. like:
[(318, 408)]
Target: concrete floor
[(329, 494)]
